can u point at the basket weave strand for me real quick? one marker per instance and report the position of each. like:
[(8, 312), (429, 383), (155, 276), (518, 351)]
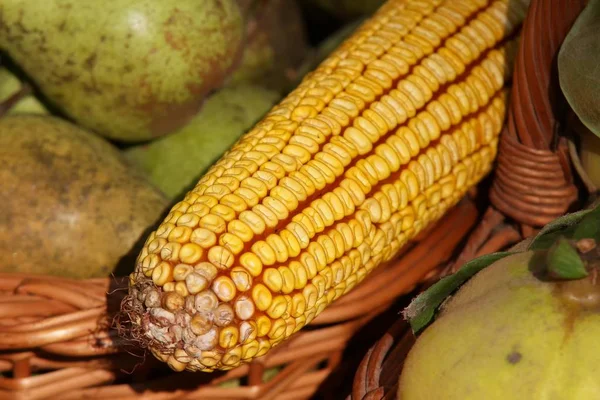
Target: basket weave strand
[(533, 180), (56, 339), (532, 183)]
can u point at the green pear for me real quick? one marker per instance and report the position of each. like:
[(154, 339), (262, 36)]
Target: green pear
[(71, 204), (25, 103), (326, 47), (276, 44), (589, 153), (130, 70), (175, 162), (346, 9), (513, 325), (508, 334)]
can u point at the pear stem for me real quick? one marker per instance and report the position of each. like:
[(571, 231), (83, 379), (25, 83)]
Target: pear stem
[(9, 103)]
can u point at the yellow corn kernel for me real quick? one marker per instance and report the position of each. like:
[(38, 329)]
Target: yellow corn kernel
[(371, 148)]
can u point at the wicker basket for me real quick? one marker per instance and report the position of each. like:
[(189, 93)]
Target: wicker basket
[(56, 339), (521, 196)]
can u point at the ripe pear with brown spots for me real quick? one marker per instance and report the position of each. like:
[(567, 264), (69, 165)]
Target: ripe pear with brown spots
[(71, 205), (512, 332), (130, 70)]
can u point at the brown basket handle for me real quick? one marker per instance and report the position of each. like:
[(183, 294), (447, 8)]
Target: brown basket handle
[(533, 182)]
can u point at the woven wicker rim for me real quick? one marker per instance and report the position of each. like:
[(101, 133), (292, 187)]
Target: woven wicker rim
[(533, 183), (63, 325)]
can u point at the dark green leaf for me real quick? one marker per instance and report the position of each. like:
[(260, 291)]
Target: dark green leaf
[(563, 226), (582, 224), (579, 66), (421, 310), (564, 261), (589, 227)]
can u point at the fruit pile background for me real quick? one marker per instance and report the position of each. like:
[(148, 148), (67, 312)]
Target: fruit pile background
[(109, 115), (107, 120), (82, 177)]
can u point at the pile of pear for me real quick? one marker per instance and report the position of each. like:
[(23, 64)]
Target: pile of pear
[(110, 110)]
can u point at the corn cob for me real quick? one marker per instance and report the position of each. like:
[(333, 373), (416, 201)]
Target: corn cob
[(374, 145)]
